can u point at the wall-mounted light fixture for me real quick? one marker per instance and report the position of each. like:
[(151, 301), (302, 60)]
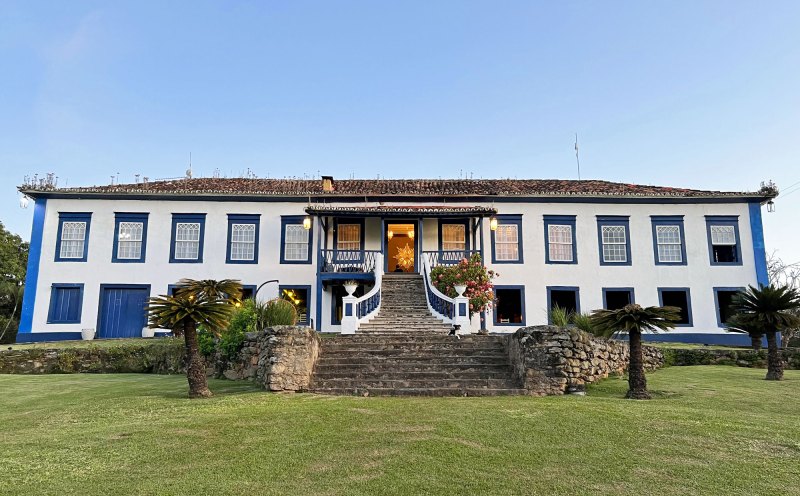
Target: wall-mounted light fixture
[(411, 234), (307, 223), (390, 234), (493, 223)]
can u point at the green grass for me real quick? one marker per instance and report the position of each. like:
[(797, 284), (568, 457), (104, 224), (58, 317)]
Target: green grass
[(96, 343), (710, 430)]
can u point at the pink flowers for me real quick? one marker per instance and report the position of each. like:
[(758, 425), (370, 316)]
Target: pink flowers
[(470, 273)]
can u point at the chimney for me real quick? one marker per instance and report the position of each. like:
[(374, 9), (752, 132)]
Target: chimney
[(327, 184)]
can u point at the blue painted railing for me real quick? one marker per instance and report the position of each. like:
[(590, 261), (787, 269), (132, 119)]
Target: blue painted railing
[(369, 305), (437, 302), (447, 257), (358, 261)]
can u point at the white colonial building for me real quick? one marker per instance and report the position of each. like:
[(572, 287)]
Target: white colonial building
[(97, 253)]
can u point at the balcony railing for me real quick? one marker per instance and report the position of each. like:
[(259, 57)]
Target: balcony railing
[(447, 257), (348, 261)]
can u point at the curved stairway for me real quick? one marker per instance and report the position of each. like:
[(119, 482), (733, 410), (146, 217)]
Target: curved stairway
[(405, 351)]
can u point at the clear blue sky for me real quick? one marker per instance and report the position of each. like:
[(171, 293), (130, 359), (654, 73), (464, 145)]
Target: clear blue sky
[(696, 94)]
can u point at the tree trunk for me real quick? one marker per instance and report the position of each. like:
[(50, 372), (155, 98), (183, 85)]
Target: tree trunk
[(637, 383), (755, 341), (774, 359), (195, 365)]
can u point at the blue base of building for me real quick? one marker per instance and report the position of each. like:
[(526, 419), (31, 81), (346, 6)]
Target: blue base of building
[(38, 337), (728, 339)]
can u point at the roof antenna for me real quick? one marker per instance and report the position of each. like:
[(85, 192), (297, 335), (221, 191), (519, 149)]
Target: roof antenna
[(189, 170), (577, 158)]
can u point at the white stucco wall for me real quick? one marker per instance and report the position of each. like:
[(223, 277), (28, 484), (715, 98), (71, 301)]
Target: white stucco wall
[(643, 275)]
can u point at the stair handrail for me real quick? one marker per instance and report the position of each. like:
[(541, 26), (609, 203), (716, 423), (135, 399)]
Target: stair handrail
[(439, 304), (367, 306)]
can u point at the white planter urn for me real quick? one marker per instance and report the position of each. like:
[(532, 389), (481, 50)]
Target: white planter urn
[(460, 288), (87, 334), (148, 333), (350, 288)]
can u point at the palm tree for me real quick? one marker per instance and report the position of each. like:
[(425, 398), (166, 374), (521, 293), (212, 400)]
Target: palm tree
[(772, 308), (745, 324), (195, 303), (634, 320)]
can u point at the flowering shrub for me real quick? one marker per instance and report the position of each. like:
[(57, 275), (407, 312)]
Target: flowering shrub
[(470, 273)]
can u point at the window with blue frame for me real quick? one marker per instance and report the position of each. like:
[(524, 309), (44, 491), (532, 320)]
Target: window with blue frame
[(560, 243), (669, 243), (680, 298), (566, 298), (296, 240), (188, 233), (130, 237), (616, 298), (66, 303), (72, 240), (724, 245), (723, 299), (507, 240), (509, 307), (243, 230), (299, 296), (614, 239)]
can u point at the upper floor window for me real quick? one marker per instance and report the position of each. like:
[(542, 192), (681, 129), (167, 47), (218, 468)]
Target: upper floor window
[(669, 244), (243, 238), (187, 238), (348, 236), (559, 239), (130, 237), (615, 245), (66, 303), (507, 240), (296, 240), (72, 244), (723, 240), (453, 237)]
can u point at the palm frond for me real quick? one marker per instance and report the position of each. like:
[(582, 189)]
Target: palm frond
[(211, 289), (771, 306), (634, 318)]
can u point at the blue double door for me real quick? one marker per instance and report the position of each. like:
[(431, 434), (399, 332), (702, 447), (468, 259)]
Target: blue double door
[(122, 311)]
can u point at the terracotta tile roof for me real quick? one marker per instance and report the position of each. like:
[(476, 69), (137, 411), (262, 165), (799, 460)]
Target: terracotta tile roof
[(386, 187), (402, 210)]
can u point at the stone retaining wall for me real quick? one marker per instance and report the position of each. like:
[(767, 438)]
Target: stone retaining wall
[(740, 358), (280, 358), (157, 357), (548, 360)]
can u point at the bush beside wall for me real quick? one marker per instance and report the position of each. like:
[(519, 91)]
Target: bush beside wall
[(737, 357)]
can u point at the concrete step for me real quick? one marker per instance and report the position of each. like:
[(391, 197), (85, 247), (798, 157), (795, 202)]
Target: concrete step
[(414, 361), (364, 373), (440, 392), (349, 383)]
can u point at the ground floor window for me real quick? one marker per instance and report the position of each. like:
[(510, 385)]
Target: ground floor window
[(724, 298), (299, 296), (563, 297), (616, 298), (509, 306), (677, 297), (248, 292)]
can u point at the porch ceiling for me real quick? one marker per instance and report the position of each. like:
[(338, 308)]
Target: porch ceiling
[(404, 210)]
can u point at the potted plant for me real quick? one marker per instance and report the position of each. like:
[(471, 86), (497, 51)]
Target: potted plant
[(350, 286), (148, 332), (460, 288), (469, 278), (87, 334)]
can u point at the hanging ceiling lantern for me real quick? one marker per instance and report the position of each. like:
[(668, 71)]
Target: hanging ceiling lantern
[(390, 234), (307, 223), (411, 234), (493, 223)]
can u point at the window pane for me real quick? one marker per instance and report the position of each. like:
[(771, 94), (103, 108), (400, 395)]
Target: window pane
[(243, 241), (296, 247), (670, 253), (559, 239), (73, 236), (668, 234), (723, 235), (129, 244), (506, 242), (348, 237), (614, 247), (454, 237), (187, 240), (613, 234)]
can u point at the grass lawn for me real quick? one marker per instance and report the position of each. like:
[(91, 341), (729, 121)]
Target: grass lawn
[(95, 343), (710, 430)]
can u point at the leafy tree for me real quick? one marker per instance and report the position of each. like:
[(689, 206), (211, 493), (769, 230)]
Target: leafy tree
[(13, 265), (207, 303), (774, 309), (634, 319), (785, 274)]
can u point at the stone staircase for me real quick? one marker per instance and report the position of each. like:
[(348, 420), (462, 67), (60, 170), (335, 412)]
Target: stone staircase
[(405, 351)]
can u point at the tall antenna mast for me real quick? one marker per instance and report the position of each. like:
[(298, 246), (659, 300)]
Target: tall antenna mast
[(577, 158)]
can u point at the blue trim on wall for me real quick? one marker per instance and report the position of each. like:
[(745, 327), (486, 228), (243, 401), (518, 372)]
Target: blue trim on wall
[(574, 289), (668, 220), (254, 219), (521, 289), (73, 217), (295, 220), (307, 288), (688, 303), (759, 248), (54, 301), (630, 291), (716, 302), (614, 220), (724, 220), (178, 218), (560, 220), (460, 222), (509, 219), (32, 273), (129, 217)]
